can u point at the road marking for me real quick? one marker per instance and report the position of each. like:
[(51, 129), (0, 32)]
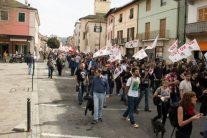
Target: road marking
[(55, 105), (65, 136), (118, 109)]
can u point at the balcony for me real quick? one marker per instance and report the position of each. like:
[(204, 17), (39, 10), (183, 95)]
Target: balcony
[(153, 35), (198, 27), (119, 41)]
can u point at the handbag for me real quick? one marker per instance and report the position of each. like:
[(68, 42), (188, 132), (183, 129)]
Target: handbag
[(156, 100)]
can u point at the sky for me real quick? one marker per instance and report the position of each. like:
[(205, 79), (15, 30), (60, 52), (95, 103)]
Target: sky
[(58, 17)]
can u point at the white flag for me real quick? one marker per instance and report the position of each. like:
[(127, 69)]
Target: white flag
[(115, 57), (184, 51), (175, 56), (132, 44), (140, 54), (193, 45), (173, 47), (153, 44), (205, 55)]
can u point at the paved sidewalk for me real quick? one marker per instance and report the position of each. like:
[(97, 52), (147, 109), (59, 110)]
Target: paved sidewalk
[(15, 88)]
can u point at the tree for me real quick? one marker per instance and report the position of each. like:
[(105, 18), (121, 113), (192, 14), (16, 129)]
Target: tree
[(53, 42)]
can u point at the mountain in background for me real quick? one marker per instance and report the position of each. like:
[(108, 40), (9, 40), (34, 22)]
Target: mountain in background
[(63, 40)]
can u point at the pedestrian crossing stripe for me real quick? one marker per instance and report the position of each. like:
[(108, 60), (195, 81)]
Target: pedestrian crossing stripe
[(65, 136)]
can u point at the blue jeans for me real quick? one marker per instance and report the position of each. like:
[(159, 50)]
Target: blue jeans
[(30, 68), (144, 91), (80, 93), (130, 110), (98, 99)]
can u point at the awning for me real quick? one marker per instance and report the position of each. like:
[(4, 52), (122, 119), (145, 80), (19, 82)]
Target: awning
[(203, 45)]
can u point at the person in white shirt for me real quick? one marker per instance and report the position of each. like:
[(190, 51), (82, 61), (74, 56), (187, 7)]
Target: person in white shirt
[(132, 87), (185, 85)]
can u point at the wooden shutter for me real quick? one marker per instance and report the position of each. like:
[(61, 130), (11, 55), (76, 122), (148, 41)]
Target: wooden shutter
[(202, 14), (147, 30), (162, 28), (148, 5), (205, 14)]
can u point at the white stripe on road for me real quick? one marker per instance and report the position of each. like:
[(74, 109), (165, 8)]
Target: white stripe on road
[(65, 136), (54, 105), (122, 109)]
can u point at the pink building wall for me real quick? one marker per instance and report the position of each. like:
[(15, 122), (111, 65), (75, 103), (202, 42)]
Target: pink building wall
[(12, 26)]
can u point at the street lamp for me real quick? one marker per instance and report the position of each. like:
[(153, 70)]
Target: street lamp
[(99, 30)]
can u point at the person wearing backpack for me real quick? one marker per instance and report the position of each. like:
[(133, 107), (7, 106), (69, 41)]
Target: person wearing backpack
[(132, 87), (163, 92), (186, 115)]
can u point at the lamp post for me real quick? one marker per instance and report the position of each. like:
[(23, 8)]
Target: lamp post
[(99, 30)]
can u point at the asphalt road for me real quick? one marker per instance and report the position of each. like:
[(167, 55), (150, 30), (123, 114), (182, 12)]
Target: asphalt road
[(61, 116)]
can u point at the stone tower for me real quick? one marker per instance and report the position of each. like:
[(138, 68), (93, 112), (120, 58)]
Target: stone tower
[(101, 6)]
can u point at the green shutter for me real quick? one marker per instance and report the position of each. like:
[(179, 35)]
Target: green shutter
[(21, 17)]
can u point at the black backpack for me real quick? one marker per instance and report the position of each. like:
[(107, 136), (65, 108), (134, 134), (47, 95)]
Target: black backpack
[(173, 116)]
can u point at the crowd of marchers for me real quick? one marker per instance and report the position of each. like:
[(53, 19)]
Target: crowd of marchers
[(181, 85)]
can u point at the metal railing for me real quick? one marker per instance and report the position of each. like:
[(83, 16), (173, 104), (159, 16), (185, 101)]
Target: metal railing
[(197, 27), (153, 35)]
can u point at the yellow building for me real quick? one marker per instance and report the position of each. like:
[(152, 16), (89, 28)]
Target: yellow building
[(122, 25), (93, 27)]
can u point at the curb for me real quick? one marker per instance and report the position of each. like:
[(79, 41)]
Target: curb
[(35, 132)]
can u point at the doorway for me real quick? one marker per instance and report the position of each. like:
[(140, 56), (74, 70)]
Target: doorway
[(3, 47)]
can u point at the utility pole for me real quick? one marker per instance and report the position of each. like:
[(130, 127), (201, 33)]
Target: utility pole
[(100, 36)]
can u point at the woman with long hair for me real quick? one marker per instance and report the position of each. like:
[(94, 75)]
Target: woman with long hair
[(186, 115)]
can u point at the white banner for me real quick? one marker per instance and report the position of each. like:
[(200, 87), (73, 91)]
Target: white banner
[(184, 51), (193, 45), (117, 72), (140, 54), (115, 57), (132, 44), (205, 55), (173, 47), (153, 44), (175, 56)]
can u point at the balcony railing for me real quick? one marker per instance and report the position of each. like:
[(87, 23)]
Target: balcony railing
[(119, 41), (153, 35), (197, 27)]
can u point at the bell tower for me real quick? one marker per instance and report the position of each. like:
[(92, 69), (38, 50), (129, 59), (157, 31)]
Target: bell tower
[(101, 6)]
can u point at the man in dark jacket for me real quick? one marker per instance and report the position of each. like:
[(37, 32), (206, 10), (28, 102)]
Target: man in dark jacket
[(30, 61), (99, 88)]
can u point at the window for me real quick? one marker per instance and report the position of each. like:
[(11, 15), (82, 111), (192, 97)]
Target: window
[(120, 18), (119, 36), (147, 30), (21, 17), (162, 28), (130, 34), (148, 5), (131, 15), (159, 51), (202, 14), (163, 2), (4, 15)]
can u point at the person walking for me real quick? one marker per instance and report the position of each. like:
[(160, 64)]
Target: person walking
[(29, 61), (132, 87), (144, 89), (186, 115), (99, 88), (51, 66), (185, 85), (163, 92), (59, 63), (5, 55), (82, 79)]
